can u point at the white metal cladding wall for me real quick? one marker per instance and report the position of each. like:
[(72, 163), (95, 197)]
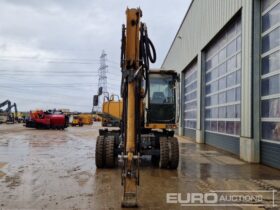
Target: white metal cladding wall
[(190, 97), (270, 85), (204, 20)]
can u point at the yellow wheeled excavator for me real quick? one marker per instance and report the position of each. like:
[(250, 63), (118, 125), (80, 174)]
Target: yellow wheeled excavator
[(148, 112)]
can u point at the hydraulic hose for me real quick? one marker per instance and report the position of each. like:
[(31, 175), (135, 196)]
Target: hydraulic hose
[(122, 61), (147, 55), (146, 45)]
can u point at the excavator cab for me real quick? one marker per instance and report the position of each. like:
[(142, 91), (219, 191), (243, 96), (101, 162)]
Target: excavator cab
[(161, 100)]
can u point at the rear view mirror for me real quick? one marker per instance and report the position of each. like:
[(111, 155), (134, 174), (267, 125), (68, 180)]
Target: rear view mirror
[(95, 100), (100, 91)]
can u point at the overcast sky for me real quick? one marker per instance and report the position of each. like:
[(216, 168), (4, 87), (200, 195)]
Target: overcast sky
[(50, 49)]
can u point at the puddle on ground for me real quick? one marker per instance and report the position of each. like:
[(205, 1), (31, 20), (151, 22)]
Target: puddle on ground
[(2, 164), (2, 174), (43, 169), (13, 181)]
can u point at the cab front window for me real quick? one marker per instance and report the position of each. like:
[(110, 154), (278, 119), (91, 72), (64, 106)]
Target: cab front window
[(161, 105), (161, 89)]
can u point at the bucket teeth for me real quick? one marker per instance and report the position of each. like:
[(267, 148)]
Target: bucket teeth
[(129, 200)]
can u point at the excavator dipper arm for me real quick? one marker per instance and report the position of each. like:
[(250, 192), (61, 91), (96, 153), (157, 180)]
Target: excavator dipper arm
[(135, 58)]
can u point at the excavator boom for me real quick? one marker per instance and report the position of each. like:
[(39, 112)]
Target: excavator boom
[(6, 115), (7, 102), (130, 66)]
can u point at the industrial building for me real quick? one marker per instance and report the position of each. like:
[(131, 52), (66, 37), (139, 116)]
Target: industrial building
[(228, 57)]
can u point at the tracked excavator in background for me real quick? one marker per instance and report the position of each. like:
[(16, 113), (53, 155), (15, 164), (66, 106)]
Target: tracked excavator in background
[(6, 116), (148, 112)]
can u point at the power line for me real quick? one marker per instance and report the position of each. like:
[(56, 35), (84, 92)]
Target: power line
[(38, 71), (48, 61), (22, 74), (54, 103), (44, 71), (82, 72), (24, 83), (57, 61), (53, 74), (54, 85), (38, 93), (20, 91), (66, 50), (35, 58), (33, 80)]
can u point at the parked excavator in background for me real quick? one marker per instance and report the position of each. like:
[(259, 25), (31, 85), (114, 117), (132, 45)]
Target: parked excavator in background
[(87, 118), (6, 115), (111, 111)]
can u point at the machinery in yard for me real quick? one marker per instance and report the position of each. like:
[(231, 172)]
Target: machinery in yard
[(77, 121), (47, 120), (87, 118), (111, 111), (96, 117), (22, 116), (148, 112), (6, 115)]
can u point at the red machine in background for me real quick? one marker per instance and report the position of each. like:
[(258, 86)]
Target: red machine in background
[(47, 120)]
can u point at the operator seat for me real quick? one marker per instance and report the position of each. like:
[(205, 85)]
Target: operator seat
[(158, 98)]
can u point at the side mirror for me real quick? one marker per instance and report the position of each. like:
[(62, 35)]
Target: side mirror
[(100, 91), (95, 100)]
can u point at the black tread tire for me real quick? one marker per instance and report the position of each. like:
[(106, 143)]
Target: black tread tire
[(99, 152), (110, 161), (155, 160), (164, 152), (174, 154)]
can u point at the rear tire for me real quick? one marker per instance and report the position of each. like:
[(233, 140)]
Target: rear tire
[(99, 152), (155, 160), (164, 152), (174, 157), (110, 152)]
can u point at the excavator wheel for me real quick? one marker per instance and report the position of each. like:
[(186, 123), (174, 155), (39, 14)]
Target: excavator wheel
[(155, 160), (110, 161), (99, 152), (174, 153), (164, 152)]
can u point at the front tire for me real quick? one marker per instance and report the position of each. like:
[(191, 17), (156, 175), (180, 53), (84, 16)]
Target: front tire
[(164, 152), (155, 160), (174, 151), (110, 152), (99, 152)]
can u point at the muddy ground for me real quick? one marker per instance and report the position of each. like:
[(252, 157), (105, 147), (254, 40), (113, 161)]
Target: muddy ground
[(50, 169)]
